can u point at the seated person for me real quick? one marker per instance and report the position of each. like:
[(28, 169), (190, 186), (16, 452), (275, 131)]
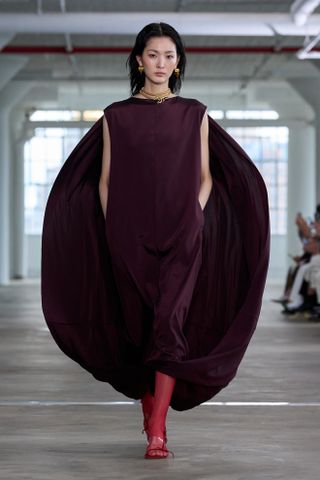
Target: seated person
[(305, 231), (303, 294)]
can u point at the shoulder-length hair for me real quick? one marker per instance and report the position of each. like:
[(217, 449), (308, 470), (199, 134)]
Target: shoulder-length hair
[(155, 30)]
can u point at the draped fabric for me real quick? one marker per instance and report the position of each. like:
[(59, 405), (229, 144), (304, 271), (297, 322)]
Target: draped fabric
[(82, 303)]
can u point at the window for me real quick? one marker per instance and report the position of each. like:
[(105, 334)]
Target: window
[(44, 155), (268, 149), (64, 115), (244, 114), (55, 115)]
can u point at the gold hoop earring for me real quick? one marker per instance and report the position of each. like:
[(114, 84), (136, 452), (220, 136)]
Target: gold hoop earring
[(141, 68), (177, 72)]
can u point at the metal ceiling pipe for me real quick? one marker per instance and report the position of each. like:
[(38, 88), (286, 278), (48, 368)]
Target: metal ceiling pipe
[(302, 9), (187, 23), (306, 53)]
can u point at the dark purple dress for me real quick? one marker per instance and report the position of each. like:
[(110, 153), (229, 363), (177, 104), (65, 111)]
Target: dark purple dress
[(160, 284)]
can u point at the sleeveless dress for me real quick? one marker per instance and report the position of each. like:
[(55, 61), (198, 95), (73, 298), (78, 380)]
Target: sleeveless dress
[(159, 284)]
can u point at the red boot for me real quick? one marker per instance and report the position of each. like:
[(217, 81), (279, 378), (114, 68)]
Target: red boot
[(155, 425), (147, 405), (157, 448)]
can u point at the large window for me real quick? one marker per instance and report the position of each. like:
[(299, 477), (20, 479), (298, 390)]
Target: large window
[(44, 155), (49, 148), (268, 148)]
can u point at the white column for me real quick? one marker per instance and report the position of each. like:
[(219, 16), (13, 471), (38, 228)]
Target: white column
[(309, 89), (301, 179), (9, 96), (18, 243), (4, 196)]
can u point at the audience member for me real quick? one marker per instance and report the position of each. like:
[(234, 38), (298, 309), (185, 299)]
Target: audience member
[(302, 288)]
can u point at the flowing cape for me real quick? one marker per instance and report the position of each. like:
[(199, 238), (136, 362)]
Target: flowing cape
[(80, 301)]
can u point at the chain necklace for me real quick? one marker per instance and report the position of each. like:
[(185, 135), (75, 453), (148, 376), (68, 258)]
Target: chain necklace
[(160, 97)]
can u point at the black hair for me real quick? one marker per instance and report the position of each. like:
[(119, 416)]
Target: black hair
[(155, 30)]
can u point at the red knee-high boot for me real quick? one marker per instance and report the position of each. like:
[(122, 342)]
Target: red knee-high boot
[(147, 407), (164, 385)]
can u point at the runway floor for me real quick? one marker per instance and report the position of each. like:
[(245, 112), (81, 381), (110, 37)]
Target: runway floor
[(58, 423)]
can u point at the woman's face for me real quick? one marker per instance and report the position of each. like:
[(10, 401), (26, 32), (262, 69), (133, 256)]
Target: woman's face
[(159, 59)]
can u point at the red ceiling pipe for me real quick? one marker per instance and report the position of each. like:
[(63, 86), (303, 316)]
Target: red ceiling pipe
[(34, 49)]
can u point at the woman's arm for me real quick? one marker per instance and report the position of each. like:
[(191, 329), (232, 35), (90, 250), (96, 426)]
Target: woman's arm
[(105, 170), (304, 230), (206, 178)]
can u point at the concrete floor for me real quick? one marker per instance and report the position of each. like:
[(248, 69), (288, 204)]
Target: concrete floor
[(57, 422)]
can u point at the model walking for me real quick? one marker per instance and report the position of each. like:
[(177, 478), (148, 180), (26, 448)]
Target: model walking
[(159, 227)]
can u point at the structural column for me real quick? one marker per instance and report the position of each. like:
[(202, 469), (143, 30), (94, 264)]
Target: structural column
[(301, 179), (18, 243), (309, 90), (4, 196), (9, 96)]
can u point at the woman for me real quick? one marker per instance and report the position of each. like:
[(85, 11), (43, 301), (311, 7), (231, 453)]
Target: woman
[(156, 244)]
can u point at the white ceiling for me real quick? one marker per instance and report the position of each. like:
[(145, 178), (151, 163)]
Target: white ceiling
[(31, 6), (221, 78)]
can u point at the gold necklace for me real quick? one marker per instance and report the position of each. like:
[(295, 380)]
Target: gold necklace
[(160, 97)]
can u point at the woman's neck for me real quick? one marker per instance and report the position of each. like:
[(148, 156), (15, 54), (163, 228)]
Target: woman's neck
[(155, 89)]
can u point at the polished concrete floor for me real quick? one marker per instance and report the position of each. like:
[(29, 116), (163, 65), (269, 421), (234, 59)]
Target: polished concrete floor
[(58, 423)]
